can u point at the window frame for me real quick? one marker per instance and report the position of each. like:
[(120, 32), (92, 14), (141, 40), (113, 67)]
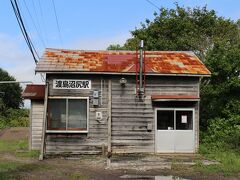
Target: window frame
[(69, 131), (175, 110)]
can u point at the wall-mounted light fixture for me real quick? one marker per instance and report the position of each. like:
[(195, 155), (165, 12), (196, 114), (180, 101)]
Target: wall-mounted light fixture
[(123, 82)]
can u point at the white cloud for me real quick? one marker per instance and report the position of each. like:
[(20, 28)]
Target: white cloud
[(16, 60)]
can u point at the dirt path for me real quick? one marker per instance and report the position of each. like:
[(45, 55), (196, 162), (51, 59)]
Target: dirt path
[(15, 133), (14, 165), (2, 131)]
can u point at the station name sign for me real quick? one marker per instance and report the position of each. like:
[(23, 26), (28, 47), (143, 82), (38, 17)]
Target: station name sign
[(71, 84)]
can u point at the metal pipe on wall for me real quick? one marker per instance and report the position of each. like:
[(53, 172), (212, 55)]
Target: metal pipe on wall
[(109, 123), (141, 90)]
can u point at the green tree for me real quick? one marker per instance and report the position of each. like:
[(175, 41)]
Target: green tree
[(216, 41), (10, 93), (221, 97), (189, 29), (115, 47)]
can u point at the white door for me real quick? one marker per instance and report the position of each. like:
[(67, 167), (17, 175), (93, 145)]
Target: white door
[(174, 130)]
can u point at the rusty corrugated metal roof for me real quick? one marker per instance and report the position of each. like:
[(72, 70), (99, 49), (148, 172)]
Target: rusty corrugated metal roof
[(157, 62), (34, 91)]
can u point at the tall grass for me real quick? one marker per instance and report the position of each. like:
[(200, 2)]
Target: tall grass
[(229, 160)]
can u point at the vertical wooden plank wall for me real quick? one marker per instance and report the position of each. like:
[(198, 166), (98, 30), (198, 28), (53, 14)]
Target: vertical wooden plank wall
[(37, 108), (133, 121)]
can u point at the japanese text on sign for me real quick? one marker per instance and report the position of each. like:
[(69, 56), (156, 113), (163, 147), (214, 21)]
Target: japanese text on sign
[(71, 84)]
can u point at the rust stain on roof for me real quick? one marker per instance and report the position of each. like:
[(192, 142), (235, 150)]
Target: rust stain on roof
[(34, 91), (155, 97), (157, 62)]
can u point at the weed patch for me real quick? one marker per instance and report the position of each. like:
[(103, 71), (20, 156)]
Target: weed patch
[(229, 161), (18, 148), (14, 170), (6, 167), (8, 146), (77, 176)]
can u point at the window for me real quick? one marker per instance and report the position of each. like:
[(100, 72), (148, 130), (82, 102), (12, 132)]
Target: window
[(175, 119), (68, 114), (184, 120), (57, 114), (165, 120)]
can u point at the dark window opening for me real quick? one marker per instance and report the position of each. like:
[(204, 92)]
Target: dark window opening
[(175, 119), (184, 120), (57, 114), (165, 120), (67, 114)]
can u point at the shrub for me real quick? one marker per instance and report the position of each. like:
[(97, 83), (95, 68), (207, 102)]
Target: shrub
[(223, 133), (14, 118)]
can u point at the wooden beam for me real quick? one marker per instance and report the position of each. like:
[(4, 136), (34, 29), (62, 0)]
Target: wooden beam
[(44, 123), (30, 129)]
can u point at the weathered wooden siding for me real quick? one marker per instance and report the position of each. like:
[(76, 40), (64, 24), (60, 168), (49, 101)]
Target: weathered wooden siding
[(36, 124), (131, 117), (84, 143), (133, 121)]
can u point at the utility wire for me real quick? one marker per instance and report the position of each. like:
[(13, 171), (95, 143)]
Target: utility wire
[(23, 30), (42, 77), (43, 21), (31, 17), (59, 32), (20, 22), (28, 37), (153, 4), (37, 19), (23, 18)]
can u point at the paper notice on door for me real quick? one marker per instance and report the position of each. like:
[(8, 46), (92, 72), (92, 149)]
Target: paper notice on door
[(184, 119)]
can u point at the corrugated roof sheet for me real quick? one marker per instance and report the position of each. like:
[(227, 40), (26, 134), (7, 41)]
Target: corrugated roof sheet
[(157, 62), (34, 91)]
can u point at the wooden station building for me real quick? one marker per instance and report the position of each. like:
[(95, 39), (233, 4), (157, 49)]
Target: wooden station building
[(120, 101)]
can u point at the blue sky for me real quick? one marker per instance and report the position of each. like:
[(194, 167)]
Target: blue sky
[(84, 24)]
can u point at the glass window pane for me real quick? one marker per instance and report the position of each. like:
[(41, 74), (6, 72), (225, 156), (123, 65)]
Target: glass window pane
[(184, 120), (77, 114), (165, 120), (57, 114)]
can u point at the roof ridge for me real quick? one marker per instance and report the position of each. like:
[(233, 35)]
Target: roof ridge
[(100, 50)]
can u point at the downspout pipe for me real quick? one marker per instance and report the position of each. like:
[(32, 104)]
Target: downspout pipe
[(109, 153), (141, 88)]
